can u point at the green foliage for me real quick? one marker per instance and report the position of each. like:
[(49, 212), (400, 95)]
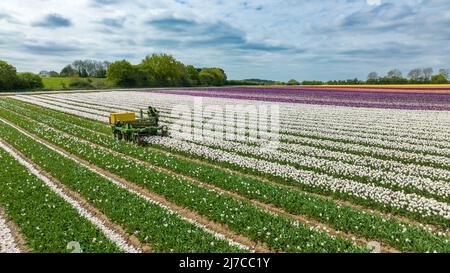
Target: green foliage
[(212, 76), (193, 78), (8, 76), (122, 73), (56, 83), (29, 80), (47, 222), (68, 71), (438, 79), (79, 83), (312, 83), (53, 74), (293, 82), (90, 68), (162, 70)]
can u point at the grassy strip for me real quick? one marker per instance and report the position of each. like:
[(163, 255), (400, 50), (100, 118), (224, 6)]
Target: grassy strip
[(278, 233), (397, 234), (165, 231), (47, 222)]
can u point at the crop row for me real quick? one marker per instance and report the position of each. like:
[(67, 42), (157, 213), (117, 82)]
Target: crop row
[(46, 221), (439, 190), (387, 230)]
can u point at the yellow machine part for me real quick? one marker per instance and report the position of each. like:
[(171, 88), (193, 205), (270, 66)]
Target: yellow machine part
[(114, 117)]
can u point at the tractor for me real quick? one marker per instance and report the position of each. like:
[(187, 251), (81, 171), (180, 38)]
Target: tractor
[(125, 126)]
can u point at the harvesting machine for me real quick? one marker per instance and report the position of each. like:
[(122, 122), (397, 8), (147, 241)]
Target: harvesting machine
[(131, 129)]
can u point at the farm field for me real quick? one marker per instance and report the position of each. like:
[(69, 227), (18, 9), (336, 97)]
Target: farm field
[(333, 172), (55, 83)]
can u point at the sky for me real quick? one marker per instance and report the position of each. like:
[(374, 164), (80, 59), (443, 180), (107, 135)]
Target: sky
[(268, 39)]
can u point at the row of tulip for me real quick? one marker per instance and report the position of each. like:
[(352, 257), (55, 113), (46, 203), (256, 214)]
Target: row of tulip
[(47, 218)]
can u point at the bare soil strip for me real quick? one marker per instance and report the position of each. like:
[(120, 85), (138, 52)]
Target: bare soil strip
[(219, 230), (112, 231)]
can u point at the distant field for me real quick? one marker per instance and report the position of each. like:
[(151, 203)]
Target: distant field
[(55, 83), (424, 88), (62, 83)]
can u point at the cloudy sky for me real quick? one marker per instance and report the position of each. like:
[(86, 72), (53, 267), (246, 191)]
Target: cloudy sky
[(301, 39)]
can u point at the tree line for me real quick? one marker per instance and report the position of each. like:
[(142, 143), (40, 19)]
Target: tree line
[(163, 70), (80, 68), (415, 76), (394, 76), (156, 70), (10, 79)]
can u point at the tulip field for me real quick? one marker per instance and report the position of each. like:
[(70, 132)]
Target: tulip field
[(335, 170)]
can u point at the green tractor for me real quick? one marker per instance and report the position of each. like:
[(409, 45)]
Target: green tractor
[(125, 126)]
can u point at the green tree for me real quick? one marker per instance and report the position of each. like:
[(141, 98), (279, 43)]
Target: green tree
[(122, 73), (293, 82), (68, 71), (207, 77), (29, 80), (193, 75), (53, 74), (162, 70), (212, 76), (83, 73), (444, 73), (8, 76), (394, 74), (438, 79)]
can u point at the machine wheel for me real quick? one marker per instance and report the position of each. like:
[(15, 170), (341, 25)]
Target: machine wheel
[(119, 136), (164, 131), (139, 141)]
